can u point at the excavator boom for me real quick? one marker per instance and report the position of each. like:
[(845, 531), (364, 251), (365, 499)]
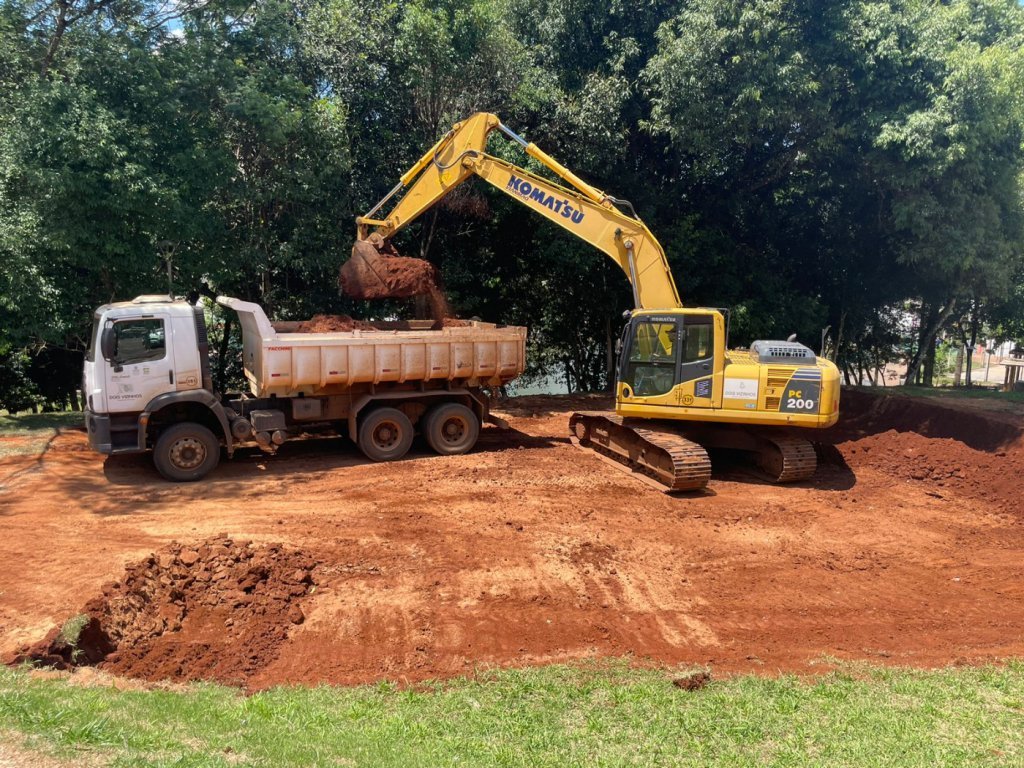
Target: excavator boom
[(576, 206)]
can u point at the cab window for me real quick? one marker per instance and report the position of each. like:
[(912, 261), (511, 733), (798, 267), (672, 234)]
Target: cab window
[(697, 342), (139, 341), (650, 365)]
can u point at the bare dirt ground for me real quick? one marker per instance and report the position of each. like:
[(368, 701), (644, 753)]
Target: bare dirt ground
[(906, 548)]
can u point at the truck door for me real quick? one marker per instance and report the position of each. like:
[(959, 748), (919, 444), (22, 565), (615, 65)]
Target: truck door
[(141, 365), (697, 361)]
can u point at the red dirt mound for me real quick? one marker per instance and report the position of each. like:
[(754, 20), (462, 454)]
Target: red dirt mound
[(942, 463), (864, 413), (215, 610), (975, 453)]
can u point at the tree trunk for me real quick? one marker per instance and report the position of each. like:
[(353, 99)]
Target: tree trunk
[(928, 369), (222, 355), (959, 364), (839, 336), (975, 322), (59, 28), (927, 339)]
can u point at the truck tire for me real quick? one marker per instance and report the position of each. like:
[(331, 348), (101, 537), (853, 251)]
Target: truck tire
[(451, 429), (385, 434), (186, 452)]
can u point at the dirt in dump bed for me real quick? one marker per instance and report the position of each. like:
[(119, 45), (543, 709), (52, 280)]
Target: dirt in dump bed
[(905, 548), (333, 324), (339, 323), (218, 609)]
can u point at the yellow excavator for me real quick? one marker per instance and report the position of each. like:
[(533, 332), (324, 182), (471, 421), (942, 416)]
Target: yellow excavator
[(680, 390)]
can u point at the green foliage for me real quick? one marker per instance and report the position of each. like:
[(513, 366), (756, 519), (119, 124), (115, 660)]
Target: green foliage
[(809, 165), (607, 715)]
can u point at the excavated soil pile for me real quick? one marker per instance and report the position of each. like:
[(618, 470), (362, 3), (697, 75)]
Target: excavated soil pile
[(946, 449), (332, 324), (863, 413), (216, 610)]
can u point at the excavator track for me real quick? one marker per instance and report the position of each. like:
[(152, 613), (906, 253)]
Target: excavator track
[(661, 458), (787, 459)]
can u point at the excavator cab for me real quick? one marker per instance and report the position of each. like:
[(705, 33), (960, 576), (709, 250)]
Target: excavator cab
[(670, 359)]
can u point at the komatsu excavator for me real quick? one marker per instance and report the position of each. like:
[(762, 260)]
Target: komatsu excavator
[(680, 390)]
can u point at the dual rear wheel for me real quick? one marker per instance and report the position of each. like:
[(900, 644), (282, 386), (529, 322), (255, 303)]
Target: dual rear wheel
[(386, 434)]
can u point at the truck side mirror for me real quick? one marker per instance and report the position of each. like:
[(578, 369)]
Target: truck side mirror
[(108, 342)]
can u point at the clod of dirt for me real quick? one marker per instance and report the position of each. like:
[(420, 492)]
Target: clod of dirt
[(383, 274), (693, 681), (217, 610)]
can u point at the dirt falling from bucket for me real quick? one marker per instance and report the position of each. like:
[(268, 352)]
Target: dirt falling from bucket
[(384, 274)]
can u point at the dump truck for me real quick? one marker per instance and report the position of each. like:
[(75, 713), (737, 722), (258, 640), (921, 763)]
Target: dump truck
[(148, 385)]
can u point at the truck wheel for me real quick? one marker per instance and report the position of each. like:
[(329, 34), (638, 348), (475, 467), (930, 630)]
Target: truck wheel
[(186, 452), (451, 429), (385, 434)]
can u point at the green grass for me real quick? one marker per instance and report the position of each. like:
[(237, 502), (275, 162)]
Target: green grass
[(984, 398), (975, 392), (34, 429), (32, 423), (589, 715)]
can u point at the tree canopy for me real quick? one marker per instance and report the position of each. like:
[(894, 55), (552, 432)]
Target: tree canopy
[(854, 165)]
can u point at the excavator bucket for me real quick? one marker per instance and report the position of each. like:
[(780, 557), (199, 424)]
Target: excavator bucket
[(383, 274)]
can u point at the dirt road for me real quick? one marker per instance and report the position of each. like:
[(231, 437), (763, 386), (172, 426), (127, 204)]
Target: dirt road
[(907, 548)]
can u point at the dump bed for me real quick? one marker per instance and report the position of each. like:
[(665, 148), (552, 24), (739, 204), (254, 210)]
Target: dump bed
[(280, 363)]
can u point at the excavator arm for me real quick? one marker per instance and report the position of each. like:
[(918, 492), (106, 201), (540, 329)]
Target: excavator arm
[(576, 206)]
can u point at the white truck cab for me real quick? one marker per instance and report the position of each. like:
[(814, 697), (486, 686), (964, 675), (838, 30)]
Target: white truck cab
[(147, 355)]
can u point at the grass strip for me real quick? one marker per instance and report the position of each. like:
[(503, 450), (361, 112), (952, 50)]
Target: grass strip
[(601, 714)]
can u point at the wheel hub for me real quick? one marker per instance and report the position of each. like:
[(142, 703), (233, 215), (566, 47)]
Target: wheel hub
[(187, 453), (386, 435), (453, 430)]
